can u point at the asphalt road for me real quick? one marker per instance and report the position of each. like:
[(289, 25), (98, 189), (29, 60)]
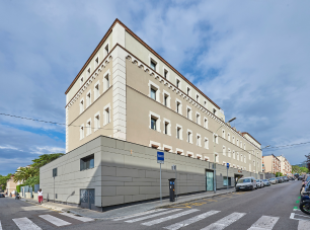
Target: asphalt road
[(266, 208)]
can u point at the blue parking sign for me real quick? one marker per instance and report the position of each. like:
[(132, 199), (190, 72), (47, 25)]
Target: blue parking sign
[(227, 165), (160, 157)]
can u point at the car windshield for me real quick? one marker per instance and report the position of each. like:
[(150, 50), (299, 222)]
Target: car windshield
[(245, 180)]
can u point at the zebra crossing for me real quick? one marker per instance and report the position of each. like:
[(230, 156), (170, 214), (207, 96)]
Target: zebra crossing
[(25, 223), (160, 216)]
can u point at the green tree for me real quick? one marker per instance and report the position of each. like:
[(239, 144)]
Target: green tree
[(3, 180), (278, 174), (296, 169), (44, 159), (23, 173)]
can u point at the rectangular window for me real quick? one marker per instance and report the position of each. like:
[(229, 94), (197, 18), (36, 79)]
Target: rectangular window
[(197, 119), (198, 141), (54, 172), (166, 128), (188, 91), (97, 122), (107, 48), (87, 162), (189, 137), (88, 99), (107, 81), (82, 132), (178, 107), (206, 123), (81, 106), (153, 123), (153, 64), (215, 138), (107, 115), (88, 128), (88, 71), (166, 100), (153, 93), (178, 83), (97, 93), (206, 143), (179, 133), (81, 82), (214, 111), (165, 74), (197, 98), (97, 60), (189, 113)]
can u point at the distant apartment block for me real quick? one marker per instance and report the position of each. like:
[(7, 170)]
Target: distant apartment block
[(286, 167), (127, 91), (271, 164)]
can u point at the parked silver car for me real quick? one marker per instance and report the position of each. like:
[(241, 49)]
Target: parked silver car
[(259, 183), (246, 183), (266, 182), (273, 180)]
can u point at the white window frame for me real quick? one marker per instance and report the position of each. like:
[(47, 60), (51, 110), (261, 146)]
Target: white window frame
[(82, 107), (224, 150), (229, 152), (88, 72), (237, 143), (241, 157), (176, 107), (240, 144), (152, 114), (217, 158), (233, 139), (82, 133), (156, 64), (217, 138), (96, 122), (198, 140), (152, 84), (191, 136), (199, 119), (237, 156), (106, 86), (155, 144), (234, 154), (82, 81), (206, 139), (190, 91), (168, 73), (95, 63), (198, 97), (181, 132), (168, 99), (190, 114), (88, 131), (88, 99), (107, 44), (244, 160), (169, 126), (206, 125), (107, 119), (96, 92), (244, 146), (223, 133), (250, 156), (228, 136)]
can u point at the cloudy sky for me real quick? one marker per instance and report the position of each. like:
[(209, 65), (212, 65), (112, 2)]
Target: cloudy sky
[(251, 57)]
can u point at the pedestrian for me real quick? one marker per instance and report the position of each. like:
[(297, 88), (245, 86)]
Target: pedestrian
[(40, 196)]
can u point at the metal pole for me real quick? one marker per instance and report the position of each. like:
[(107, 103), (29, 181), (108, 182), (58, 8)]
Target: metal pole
[(227, 178), (160, 182), (175, 183)]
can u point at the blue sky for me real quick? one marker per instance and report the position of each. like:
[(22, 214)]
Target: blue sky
[(250, 57)]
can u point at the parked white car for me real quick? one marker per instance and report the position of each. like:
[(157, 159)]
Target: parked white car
[(246, 183)]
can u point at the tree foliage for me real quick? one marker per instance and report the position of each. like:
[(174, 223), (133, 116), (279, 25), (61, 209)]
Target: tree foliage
[(308, 161), (299, 170), (3, 180), (278, 174)]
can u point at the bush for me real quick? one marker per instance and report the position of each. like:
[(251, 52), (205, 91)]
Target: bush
[(18, 187)]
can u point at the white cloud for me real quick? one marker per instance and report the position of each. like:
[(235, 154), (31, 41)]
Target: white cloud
[(9, 147), (47, 150)]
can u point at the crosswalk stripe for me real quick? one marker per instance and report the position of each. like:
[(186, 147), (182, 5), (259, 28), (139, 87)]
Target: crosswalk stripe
[(265, 222), (54, 220), (26, 224), (140, 214), (80, 218), (170, 217), (151, 216), (224, 222), (303, 225), (0, 226), (191, 220)]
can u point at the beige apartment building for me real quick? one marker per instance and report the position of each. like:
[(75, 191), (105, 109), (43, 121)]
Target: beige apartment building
[(286, 167), (125, 90), (271, 164)]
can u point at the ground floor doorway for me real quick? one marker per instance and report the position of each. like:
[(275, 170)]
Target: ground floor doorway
[(87, 198), (209, 180)]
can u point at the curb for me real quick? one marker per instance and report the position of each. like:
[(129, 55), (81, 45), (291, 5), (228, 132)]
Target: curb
[(193, 199)]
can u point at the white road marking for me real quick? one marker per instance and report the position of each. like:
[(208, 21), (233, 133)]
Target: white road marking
[(54, 220), (303, 225), (80, 218), (170, 217), (292, 216), (225, 222), (151, 216), (265, 222), (140, 214), (0, 225), (26, 224), (32, 208), (191, 220)]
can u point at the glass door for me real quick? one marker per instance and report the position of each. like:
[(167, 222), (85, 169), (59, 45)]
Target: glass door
[(209, 181)]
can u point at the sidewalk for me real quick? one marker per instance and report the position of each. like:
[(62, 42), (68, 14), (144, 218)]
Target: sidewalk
[(130, 209)]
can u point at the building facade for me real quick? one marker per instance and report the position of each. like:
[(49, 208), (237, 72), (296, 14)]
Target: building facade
[(286, 167), (271, 164), (127, 91)]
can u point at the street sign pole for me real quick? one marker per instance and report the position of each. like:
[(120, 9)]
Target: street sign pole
[(227, 173), (160, 160)]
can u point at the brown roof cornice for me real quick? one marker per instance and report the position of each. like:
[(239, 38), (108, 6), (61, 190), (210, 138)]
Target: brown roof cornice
[(146, 46), (250, 136)]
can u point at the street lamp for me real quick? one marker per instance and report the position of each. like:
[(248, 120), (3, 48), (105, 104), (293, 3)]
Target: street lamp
[(214, 164)]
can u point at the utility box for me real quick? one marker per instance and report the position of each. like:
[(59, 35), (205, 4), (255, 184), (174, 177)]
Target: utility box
[(172, 189)]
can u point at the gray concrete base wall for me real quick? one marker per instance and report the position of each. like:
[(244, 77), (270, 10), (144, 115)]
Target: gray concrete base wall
[(125, 172)]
